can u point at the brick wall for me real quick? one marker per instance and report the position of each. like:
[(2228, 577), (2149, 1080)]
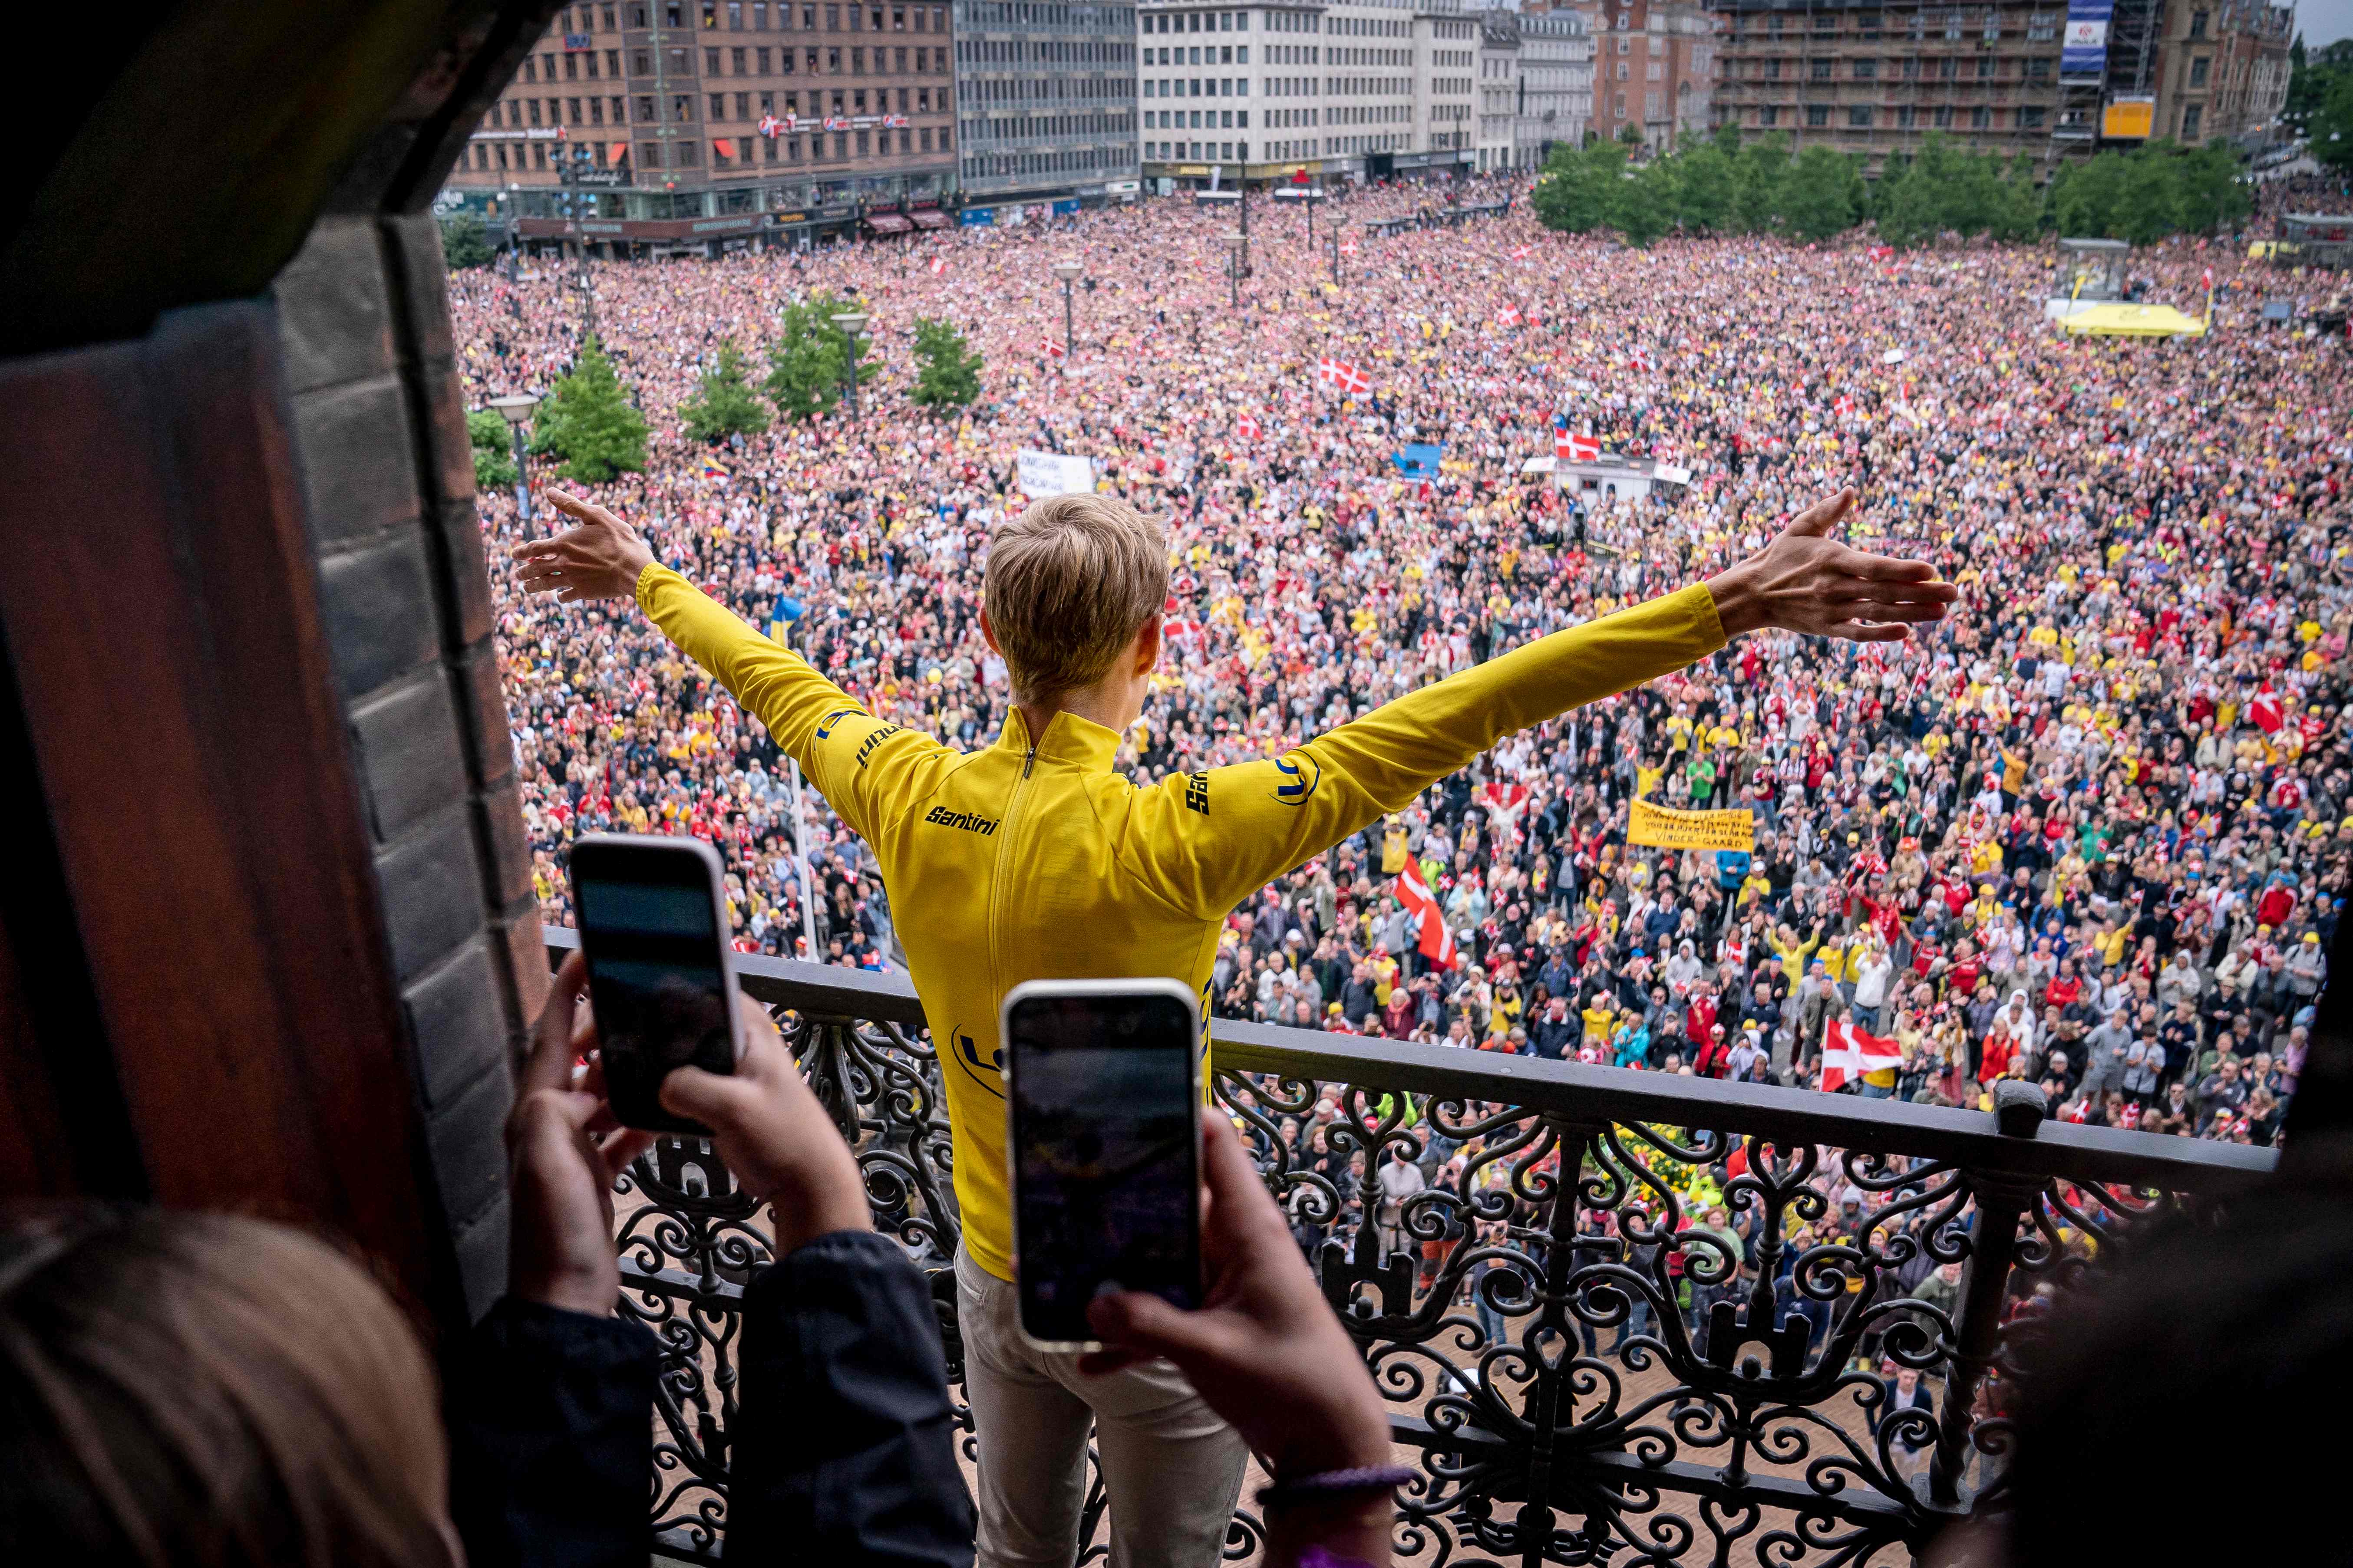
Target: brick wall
[(388, 472)]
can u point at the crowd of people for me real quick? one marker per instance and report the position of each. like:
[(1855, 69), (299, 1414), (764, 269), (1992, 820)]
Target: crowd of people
[(2092, 833)]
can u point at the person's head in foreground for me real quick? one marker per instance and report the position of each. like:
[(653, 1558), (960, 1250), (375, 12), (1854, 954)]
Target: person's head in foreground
[(209, 1391)]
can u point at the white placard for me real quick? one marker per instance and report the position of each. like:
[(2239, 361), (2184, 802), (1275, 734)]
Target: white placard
[(1054, 474)]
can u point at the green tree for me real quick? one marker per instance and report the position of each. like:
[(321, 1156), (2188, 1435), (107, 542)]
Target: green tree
[(1645, 205), (2148, 199), (2330, 121), (726, 405), (2211, 196), (1577, 191), (1905, 202), (947, 369), (494, 470), (1817, 197), (1703, 188), (808, 360), (465, 242), (2084, 196), (2018, 204), (587, 420), (1630, 135), (1757, 182)]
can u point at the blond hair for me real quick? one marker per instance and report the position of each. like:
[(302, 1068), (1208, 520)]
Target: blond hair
[(1070, 582)]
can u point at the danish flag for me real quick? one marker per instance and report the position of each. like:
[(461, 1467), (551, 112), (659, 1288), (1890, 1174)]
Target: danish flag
[(1051, 349), (1437, 943), (2206, 280), (2264, 709), (1346, 377), (939, 265), (1507, 316), (1575, 449), (1844, 407), (1848, 1051), (1247, 427), (1641, 360), (1348, 248), (1519, 253)]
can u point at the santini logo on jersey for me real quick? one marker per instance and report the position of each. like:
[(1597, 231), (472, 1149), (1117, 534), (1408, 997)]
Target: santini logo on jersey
[(824, 725), (969, 821)]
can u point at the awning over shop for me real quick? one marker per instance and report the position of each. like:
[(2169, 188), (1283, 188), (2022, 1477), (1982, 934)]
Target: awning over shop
[(930, 217), (889, 223)]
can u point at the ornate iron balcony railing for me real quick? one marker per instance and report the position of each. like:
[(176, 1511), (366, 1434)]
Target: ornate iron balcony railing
[(1741, 1409)]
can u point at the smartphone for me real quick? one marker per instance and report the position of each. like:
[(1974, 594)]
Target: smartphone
[(662, 974), (1103, 1097)]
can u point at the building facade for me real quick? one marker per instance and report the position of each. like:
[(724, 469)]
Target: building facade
[(705, 123), (1499, 89), (1876, 79), (1048, 99), (2222, 71), (1653, 67), (1555, 99), (1365, 89)]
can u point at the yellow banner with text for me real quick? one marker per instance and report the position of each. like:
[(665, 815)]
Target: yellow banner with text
[(1662, 828)]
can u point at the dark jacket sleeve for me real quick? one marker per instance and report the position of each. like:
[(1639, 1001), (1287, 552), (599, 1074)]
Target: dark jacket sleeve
[(845, 1446), (551, 1438)]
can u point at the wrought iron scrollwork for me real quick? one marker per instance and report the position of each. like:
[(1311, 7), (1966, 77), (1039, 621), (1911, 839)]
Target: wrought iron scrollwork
[(1627, 1324)]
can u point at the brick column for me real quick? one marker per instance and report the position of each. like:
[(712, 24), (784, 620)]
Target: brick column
[(387, 469)]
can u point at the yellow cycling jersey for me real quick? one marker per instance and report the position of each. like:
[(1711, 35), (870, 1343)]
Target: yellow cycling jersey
[(1031, 859)]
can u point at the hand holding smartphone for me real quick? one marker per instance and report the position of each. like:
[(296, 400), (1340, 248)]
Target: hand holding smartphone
[(1103, 1097), (662, 974)]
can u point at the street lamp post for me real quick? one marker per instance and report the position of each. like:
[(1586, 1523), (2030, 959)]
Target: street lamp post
[(800, 843), (1234, 243), (515, 409), (1068, 270), (1335, 247), (851, 322)]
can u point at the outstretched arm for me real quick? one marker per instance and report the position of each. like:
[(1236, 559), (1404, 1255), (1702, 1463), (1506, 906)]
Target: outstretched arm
[(1209, 839), (830, 731)]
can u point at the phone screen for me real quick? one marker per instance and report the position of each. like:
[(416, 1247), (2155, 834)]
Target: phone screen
[(655, 974), (1106, 1155)]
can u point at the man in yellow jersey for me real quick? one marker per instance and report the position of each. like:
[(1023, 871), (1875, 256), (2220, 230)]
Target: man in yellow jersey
[(1033, 859)]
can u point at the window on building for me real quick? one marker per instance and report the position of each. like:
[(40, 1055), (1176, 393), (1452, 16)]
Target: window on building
[(1866, 70), (2197, 20), (1904, 116), (1986, 65), (1818, 114), (1819, 70), (2039, 69), (1980, 118), (717, 106), (2041, 28), (2192, 116), (1858, 117), (1949, 68), (2032, 117), (2198, 69), (711, 62), (1770, 115)]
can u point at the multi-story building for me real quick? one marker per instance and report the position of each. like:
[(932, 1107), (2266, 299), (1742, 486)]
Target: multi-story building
[(2221, 70), (1499, 89), (662, 123), (1555, 82), (1653, 67), (1868, 76), (1354, 90), (1446, 80), (1047, 95)]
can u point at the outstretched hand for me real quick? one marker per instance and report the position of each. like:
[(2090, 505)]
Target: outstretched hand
[(599, 558), (1807, 581)]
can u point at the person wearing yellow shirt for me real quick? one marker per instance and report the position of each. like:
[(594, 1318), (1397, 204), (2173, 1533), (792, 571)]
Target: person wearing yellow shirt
[(1646, 779), (1679, 730), (1393, 849), (2013, 771), (1792, 952), (1033, 859)]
